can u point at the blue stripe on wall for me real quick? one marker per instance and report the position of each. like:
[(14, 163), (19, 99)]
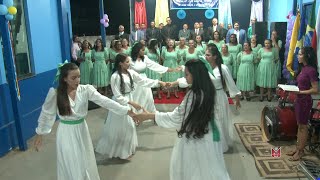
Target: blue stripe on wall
[(2, 71)]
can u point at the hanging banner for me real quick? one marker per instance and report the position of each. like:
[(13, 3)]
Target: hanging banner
[(194, 4)]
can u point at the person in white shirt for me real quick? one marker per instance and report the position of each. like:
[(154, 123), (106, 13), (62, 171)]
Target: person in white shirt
[(75, 49), (197, 31)]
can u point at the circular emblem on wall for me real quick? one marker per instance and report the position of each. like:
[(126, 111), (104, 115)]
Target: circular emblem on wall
[(209, 14), (181, 14)]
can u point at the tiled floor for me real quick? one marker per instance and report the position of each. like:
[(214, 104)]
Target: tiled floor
[(151, 161)]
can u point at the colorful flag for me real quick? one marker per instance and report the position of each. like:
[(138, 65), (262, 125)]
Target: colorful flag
[(316, 39), (311, 26), (293, 42)]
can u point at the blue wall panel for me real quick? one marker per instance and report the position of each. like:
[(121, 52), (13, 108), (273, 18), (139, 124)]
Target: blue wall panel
[(45, 35), (8, 138), (33, 94)]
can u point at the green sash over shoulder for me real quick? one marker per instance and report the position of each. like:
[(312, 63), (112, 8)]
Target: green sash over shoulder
[(215, 131), (207, 64)]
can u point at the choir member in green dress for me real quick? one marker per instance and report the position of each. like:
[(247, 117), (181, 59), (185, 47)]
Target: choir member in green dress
[(266, 72), (153, 54), (192, 52), (170, 59), (101, 69), (125, 46), (234, 49), (217, 40), (245, 79), (200, 46), (86, 65), (226, 57), (255, 48)]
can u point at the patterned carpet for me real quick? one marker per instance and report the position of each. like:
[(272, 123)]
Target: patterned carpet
[(268, 166)]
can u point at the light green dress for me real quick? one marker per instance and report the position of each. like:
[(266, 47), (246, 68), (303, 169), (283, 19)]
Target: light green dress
[(201, 48), (277, 64), (112, 56), (228, 61), (127, 51), (194, 55), (234, 51), (101, 70), (255, 51), (86, 67), (266, 77), (245, 78), (156, 58), (218, 44), (182, 55), (171, 61)]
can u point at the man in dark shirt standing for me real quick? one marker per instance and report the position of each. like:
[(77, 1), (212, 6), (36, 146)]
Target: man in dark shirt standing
[(170, 30), (122, 34), (153, 32)]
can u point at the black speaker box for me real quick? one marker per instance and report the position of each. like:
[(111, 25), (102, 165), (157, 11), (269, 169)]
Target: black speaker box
[(260, 29)]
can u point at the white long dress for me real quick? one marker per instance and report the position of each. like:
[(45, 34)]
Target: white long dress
[(75, 155), (224, 120), (193, 159), (143, 95), (119, 136)]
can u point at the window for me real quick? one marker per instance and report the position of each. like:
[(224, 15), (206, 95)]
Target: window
[(19, 41)]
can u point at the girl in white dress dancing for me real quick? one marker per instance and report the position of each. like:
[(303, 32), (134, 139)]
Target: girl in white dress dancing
[(119, 137), (75, 155), (197, 153)]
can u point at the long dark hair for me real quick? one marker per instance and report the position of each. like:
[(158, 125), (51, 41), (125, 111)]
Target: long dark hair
[(235, 36), (135, 51), (215, 52), (121, 57), (95, 45), (63, 102), (203, 100), (218, 34), (310, 57), (152, 44)]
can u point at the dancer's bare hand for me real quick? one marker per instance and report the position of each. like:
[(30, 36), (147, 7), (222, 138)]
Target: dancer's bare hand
[(164, 84), (136, 105), (138, 118), (178, 69), (38, 142), (174, 84), (131, 113)]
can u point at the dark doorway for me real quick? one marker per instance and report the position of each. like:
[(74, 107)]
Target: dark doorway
[(85, 16)]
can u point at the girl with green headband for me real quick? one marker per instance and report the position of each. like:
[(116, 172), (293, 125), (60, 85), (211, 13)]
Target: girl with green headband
[(75, 155)]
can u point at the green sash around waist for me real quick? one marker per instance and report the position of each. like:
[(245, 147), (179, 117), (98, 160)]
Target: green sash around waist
[(72, 122)]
